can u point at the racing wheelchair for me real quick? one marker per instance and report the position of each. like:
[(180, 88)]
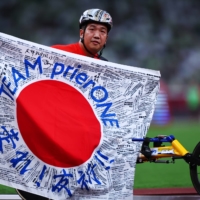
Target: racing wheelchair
[(174, 151)]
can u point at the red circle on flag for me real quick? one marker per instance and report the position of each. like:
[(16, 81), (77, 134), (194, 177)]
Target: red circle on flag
[(57, 123)]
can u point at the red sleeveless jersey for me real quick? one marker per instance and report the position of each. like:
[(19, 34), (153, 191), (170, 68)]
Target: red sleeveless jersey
[(72, 48)]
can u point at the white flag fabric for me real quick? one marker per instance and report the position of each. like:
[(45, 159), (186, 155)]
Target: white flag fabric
[(67, 121)]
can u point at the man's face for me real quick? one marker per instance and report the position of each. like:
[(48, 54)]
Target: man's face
[(95, 37)]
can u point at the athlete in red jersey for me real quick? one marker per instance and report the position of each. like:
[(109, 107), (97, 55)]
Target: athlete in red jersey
[(95, 25)]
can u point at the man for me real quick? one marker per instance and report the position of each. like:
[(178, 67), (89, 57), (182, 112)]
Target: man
[(94, 25)]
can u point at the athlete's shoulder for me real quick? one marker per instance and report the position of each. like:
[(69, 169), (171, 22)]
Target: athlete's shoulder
[(102, 58), (66, 47)]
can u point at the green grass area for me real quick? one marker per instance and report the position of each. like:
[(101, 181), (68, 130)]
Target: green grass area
[(7, 190), (151, 175)]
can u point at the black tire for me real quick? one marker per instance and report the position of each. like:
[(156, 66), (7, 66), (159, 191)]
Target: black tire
[(195, 169), (30, 196)]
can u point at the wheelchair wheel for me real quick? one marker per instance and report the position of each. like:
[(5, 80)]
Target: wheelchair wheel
[(195, 169), (30, 196)]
